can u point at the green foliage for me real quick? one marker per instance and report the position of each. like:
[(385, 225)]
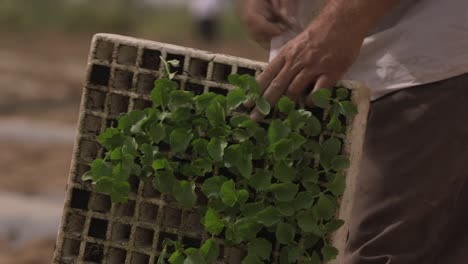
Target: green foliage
[(184, 192), (210, 250), (285, 105), (188, 144), (285, 233), (268, 216), (212, 222), (228, 193), (322, 97), (263, 105), (260, 247), (235, 98)]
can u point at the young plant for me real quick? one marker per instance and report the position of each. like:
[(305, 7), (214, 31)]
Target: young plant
[(260, 180)]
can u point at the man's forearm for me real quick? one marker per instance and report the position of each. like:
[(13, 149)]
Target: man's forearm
[(356, 16)]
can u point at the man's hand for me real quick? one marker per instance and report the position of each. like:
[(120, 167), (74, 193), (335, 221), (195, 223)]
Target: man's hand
[(266, 19), (319, 54), (323, 52)]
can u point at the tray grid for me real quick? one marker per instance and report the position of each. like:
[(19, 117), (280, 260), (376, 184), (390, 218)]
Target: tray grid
[(121, 73)]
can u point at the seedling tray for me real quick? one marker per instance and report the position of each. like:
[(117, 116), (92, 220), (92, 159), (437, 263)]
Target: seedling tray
[(120, 75)]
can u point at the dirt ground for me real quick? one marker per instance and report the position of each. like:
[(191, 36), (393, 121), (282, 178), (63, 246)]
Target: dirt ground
[(33, 252), (39, 169), (40, 83)]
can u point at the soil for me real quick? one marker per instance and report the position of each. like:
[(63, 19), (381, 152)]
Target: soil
[(40, 169), (33, 252)]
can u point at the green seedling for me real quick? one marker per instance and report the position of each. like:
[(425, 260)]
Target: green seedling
[(274, 187)]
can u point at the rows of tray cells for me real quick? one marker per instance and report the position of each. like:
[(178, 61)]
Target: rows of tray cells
[(120, 79), (140, 226)]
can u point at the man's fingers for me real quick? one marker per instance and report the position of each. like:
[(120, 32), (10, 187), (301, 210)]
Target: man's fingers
[(324, 81), (287, 10), (271, 73), (281, 6), (276, 4), (267, 76), (299, 84), (264, 27), (275, 90), (264, 22)]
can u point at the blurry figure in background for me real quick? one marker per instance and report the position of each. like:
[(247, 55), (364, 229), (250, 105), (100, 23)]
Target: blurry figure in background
[(206, 14)]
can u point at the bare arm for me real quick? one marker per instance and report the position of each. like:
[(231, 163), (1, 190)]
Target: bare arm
[(265, 19), (324, 51), (358, 15)]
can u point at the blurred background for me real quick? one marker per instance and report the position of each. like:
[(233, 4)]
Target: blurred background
[(43, 52)]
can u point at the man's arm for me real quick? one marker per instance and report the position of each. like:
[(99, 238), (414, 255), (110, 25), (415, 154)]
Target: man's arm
[(266, 19), (359, 15), (324, 51)]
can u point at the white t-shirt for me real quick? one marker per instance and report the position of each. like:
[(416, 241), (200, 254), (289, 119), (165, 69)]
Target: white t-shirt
[(422, 41)]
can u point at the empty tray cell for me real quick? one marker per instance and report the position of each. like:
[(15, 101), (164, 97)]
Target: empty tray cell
[(195, 88), (191, 242), (259, 164), (139, 104), (219, 90), (123, 80), (192, 223), (89, 150), (234, 255), (244, 70), (98, 228), (99, 75), (125, 209), (101, 203), (165, 236), (178, 83), (172, 217), (151, 59), (118, 104), (169, 199), (94, 253), (149, 191), (138, 258), (74, 224), (270, 236), (104, 50), (134, 183), (92, 124), (111, 122), (164, 147), (145, 83), (127, 55), (198, 68), (116, 255), (79, 199), (71, 248), (95, 100), (221, 72), (143, 237), (121, 233), (79, 171), (181, 60), (317, 112), (148, 212), (221, 252)]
